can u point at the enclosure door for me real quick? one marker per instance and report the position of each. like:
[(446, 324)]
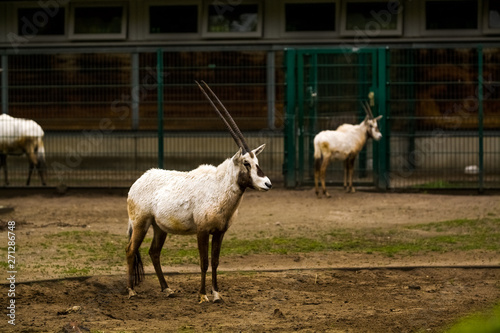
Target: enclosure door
[(330, 86)]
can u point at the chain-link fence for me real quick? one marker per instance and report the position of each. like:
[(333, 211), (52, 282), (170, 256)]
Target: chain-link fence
[(101, 110), (440, 107)]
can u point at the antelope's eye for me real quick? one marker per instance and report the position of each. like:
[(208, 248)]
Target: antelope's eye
[(246, 164)]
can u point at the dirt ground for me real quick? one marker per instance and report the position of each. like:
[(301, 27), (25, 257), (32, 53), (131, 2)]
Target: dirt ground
[(332, 291)]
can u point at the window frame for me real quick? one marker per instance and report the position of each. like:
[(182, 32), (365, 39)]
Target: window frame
[(109, 36), (449, 32), (234, 34), (381, 33), (37, 38), (486, 20), (172, 35), (309, 34)]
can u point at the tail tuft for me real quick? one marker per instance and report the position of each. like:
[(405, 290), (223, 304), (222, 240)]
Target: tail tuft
[(317, 162), (138, 269)]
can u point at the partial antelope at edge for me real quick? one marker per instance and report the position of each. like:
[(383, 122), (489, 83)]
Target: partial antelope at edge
[(22, 136), (343, 144), (201, 202)]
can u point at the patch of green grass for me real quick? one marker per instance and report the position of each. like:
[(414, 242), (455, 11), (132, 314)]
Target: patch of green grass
[(444, 236), (488, 322), (441, 184), (83, 252), (72, 270)]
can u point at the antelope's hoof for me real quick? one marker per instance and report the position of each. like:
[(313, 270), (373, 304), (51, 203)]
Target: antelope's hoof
[(131, 293), (328, 195), (203, 299), (168, 292), (217, 298)]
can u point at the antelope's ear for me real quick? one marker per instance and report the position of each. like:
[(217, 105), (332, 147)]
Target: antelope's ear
[(379, 117), (259, 150), (237, 156)]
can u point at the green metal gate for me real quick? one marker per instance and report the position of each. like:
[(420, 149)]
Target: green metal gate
[(440, 107), (324, 90)]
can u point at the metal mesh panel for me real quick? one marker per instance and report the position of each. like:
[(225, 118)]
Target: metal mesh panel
[(334, 84), (99, 112), (440, 106), (433, 112)]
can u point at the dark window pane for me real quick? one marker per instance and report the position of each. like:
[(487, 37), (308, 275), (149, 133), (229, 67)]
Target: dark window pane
[(35, 21), (310, 16), (494, 15), (451, 15), (98, 20), (173, 19), (237, 18), (371, 15)]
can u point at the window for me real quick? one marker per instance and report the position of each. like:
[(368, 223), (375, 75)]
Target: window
[(243, 19), (36, 21), (98, 22), (372, 18), (491, 21), (173, 19), (318, 16), (458, 15)]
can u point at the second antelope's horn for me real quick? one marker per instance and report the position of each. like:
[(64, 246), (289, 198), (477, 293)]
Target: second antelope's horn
[(367, 109)]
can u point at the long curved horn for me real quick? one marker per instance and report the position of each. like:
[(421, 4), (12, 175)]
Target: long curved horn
[(229, 122), (367, 108)]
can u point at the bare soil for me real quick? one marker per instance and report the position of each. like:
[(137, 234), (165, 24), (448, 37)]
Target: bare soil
[(331, 291)]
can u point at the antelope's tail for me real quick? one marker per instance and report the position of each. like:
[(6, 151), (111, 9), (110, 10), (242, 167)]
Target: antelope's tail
[(318, 156), (138, 268)]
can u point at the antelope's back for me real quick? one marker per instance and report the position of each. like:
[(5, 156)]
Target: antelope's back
[(12, 129)]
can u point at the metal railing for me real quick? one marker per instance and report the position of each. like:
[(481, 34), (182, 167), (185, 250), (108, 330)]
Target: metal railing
[(109, 115), (440, 107)]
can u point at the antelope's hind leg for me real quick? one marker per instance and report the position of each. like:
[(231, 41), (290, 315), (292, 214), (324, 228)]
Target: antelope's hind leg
[(135, 269), (317, 166), (322, 175), (3, 163), (155, 252)]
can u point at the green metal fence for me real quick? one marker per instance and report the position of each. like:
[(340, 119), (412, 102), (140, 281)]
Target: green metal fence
[(111, 114), (440, 107)]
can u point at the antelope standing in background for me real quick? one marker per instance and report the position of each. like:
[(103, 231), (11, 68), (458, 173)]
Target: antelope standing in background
[(343, 144), (22, 136), (201, 202)]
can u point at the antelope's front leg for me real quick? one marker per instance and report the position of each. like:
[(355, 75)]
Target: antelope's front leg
[(216, 246), (203, 239)]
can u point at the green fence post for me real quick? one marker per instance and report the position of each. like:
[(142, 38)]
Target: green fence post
[(363, 91), (5, 84), (300, 116), (312, 112), (480, 116), (159, 74), (290, 126), (382, 172)]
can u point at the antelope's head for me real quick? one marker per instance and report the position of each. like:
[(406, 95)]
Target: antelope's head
[(250, 174), (371, 123), (245, 160)]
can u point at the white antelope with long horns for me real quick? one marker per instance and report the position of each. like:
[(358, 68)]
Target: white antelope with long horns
[(202, 202), (343, 144)]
